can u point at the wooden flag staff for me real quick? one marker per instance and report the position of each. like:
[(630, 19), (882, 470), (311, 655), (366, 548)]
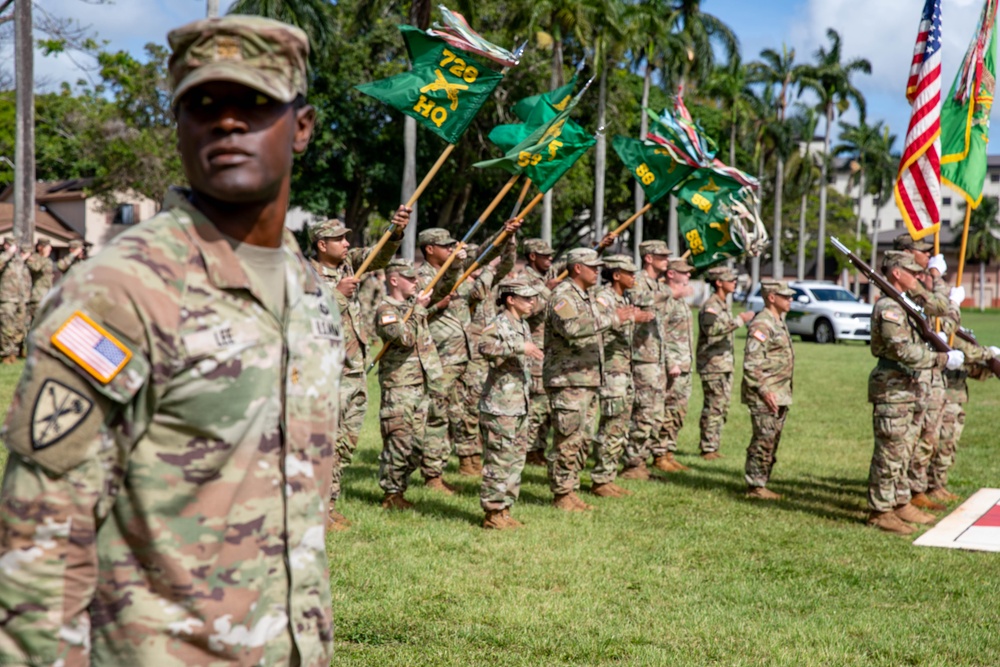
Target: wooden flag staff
[(610, 238)]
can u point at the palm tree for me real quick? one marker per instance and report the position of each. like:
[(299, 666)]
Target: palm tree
[(984, 239), (703, 33), (804, 170), (859, 142), (731, 87), (880, 172), (830, 79), (314, 17)]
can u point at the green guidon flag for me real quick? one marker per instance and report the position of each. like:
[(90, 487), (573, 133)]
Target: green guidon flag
[(707, 219), (444, 89), (558, 98), (965, 115), (652, 166)]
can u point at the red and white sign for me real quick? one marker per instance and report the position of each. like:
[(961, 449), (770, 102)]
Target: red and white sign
[(975, 525)]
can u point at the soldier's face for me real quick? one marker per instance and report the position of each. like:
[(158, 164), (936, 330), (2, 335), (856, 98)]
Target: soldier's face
[(625, 278), (658, 262), (587, 275), (237, 144), (45, 250), (522, 305), (407, 286), (727, 286), (541, 263), (333, 250), (781, 303), (921, 257)]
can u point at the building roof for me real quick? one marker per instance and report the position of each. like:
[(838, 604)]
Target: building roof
[(45, 223), (48, 191)]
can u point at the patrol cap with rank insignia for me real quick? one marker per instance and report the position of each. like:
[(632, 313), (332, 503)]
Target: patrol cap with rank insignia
[(537, 246), (517, 287), (584, 256), (720, 273), (401, 267), (907, 242), (435, 236), (265, 55), (653, 247), (329, 229), (893, 259), (620, 263), (777, 287)]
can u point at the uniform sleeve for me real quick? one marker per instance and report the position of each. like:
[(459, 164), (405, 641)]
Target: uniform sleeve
[(482, 287), (69, 430), (35, 262), (66, 262), (357, 255), (497, 344), (758, 366), (899, 345), (5, 258), (508, 259), (935, 302), (391, 328), (716, 321), (674, 343), (571, 319)]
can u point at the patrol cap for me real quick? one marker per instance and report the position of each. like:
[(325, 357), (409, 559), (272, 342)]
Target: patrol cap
[(329, 229), (266, 55), (720, 273), (900, 259), (517, 287), (653, 247), (907, 242), (538, 246), (680, 265), (620, 262), (779, 287), (75, 243), (43, 242), (435, 236), (584, 256), (401, 267)]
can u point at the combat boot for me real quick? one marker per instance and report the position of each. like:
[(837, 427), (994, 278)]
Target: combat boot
[(605, 490), (678, 466), (536, 458), (943, 495), (911, 514), (477, 461), (511, 521), (923, 502), (711, 456), (10, 359), (494, 520), (396, 501), (640, 472), (890, 523), (762, 493), (579, 502), (467, 466), (438, 484), (565, 503), (336, 520)]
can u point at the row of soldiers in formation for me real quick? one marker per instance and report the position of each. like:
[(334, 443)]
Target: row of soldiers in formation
[(491, 367), (25, 278)]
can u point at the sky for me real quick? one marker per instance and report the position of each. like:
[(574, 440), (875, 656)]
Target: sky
[(883, 31)]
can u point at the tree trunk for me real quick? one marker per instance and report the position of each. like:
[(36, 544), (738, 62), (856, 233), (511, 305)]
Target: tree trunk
[(872, 289), (857, 233), (732, 141), (800, 272), (779, 187), (24, 130), (211, 8), (672, 241), (821, 239), (640, 196), (982, 283), (601, 155), (755, 261), (409, 183), (555, 80)]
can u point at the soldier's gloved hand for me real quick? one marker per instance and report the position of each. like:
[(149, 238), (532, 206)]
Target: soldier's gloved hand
[(942, 335), (937, 262), (994, 350), (955, 360), (957, 295)]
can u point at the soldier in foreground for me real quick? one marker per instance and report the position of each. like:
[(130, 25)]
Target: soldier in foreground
[(409, 374), (768, 363), (172, 435), (335, 261), (538, 273), (503, 409), (679, 341), (716, 325), (895, 392)]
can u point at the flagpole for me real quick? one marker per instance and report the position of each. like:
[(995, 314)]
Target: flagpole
[(409, 203), (454, 254), (961, 253), (610, 238)]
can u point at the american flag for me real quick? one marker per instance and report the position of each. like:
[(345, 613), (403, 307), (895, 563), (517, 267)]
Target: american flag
[(918, 181), (92, 347)]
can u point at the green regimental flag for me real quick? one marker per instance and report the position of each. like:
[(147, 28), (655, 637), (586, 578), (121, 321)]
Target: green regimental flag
[(444, 89), (544, 147), (703, 216), (558, 98), (652, 166), (965, 121)]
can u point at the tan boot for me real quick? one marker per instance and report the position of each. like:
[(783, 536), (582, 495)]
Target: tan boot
[(710, 456), (674, 462), (336, 520), (438, 484), (579, 502), (467, 466), (511, 521), (640, 472), (923, 502), (890, 523), (911, 514), (942, 494), (762, 493), (621, 490), (663, 463), (565, 503), (605, 490), (494, 520), (396, 501), (536, 458), (477, 461)]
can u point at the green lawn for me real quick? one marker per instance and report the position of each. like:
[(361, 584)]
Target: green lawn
[(685, 572)]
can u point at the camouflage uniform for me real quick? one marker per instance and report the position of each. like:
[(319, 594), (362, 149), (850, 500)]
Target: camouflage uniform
[(678, 336), (895, 391), (540, 412), (616, 393), (371, 291), (354, 384), (768, 363), (12, 302), (571, 372), (164, 496), (649, 360), (409, 373), (504, 406), (716, 325), (449, 329)]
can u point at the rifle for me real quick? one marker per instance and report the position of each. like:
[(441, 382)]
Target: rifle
[(924, 327)]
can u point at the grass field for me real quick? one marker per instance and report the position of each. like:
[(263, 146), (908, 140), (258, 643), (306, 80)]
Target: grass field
[(685, 572)]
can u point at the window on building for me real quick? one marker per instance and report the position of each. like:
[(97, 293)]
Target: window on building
[(994, 178), (899, 222), (946, 201), (946, 222), (125, 215)]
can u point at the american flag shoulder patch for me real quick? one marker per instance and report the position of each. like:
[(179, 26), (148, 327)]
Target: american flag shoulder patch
[(891, 316), (92, 347), (760, 335), (389, 317)]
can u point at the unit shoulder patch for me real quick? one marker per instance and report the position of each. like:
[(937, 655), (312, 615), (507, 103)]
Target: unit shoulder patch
[(58, 411)]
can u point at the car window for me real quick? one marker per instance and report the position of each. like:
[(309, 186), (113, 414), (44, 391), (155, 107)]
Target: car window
[(799, 292), (832, 294)]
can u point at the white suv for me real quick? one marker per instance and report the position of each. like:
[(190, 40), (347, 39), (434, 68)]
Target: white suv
[(823, 312)]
